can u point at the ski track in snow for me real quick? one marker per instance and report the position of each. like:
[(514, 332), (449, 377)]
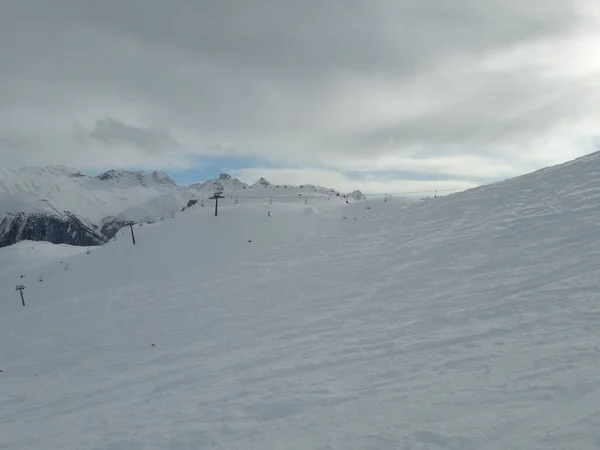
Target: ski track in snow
[(470, 322)]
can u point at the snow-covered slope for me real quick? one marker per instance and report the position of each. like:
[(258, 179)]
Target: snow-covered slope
[(25, 256), (468, 322)]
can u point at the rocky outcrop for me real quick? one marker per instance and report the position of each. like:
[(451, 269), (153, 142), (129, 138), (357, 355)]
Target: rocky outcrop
[(111, 175), (58, 229), (111, 226)]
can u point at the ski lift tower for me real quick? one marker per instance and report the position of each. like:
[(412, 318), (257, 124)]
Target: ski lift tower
[(20, 288), (130, 224), (217, 195)]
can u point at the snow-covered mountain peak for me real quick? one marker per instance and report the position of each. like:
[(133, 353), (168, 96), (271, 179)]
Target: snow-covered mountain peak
[(112, 175), (154, 178), (225, 182), (51, 170), (357, 195), (117, 176), (261, 182), (161, 177)]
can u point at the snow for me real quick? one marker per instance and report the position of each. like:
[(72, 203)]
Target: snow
[(26, 255), (465, 322)]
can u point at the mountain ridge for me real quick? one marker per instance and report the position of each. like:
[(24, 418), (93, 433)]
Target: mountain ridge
[(62, 205)]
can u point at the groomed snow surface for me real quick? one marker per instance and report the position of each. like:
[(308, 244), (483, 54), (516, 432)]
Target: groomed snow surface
[(466, 322)]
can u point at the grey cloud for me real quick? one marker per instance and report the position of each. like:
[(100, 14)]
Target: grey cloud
[(9, 143), (509, 113), (299, 38), (113, 132), (267, 74)]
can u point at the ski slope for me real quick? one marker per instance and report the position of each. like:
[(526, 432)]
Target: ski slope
[(24, 256), (465, 322)]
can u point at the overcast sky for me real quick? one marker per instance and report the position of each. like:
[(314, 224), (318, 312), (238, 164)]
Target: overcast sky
[(379, 95)]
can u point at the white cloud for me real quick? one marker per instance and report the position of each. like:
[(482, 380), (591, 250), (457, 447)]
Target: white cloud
[(336, 180)]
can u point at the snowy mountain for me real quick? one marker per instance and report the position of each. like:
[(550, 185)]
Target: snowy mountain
[(232, 187), (262, 182), (225, 182), (156, 178), (357, 195), (61, 205), (468, 322)]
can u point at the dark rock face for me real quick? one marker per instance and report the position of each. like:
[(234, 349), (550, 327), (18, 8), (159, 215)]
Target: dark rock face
[(192, 202), (111, 175), (111, 227), (65, 229)]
